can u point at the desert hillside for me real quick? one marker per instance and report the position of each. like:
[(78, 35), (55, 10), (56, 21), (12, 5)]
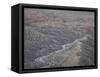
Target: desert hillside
[(56, 38)]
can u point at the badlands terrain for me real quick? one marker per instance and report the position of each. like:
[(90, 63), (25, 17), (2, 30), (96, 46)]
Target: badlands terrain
[(54, 38)]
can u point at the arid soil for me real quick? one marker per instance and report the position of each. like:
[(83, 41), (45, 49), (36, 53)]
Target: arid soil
[(54, 38)]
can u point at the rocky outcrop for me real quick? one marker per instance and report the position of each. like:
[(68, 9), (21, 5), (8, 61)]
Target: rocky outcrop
[(70, 55)]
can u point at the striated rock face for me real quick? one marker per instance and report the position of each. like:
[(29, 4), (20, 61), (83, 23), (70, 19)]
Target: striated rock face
[(58, 38)]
